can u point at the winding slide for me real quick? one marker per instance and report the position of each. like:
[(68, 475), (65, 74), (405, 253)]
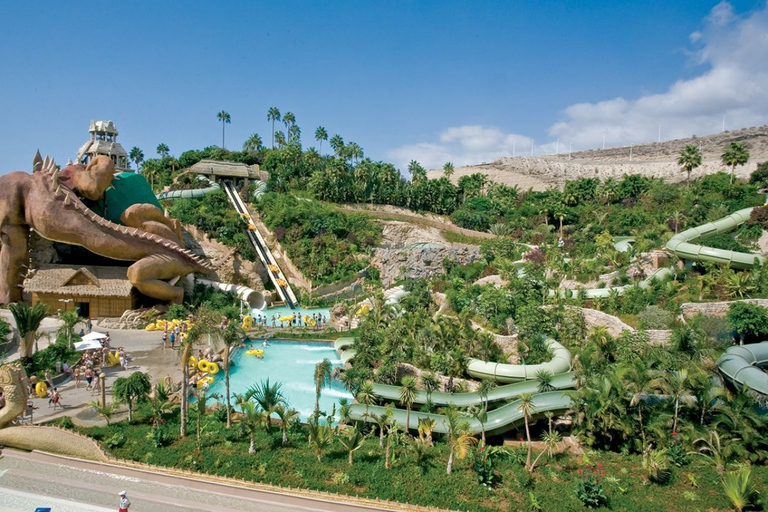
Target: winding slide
[(499, 420), (741, 364)]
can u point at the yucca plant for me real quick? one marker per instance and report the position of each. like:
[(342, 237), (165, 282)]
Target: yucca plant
[(739, 487)]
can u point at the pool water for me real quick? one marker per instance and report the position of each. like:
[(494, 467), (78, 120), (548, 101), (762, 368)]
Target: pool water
[(293, 364)]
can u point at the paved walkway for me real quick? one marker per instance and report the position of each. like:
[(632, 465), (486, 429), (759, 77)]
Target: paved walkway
[(144, 348)]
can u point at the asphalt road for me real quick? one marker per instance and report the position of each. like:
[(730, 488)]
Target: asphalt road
[(30, 480)]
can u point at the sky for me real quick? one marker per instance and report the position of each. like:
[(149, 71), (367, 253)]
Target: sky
[(431, 80)]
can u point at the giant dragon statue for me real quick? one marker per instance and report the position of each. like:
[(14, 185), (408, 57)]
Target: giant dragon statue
[(50, 201)]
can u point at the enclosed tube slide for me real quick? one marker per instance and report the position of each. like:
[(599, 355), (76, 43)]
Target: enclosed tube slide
[(506, 392), (507, 373), (254, 298), (594, 293), (681, 245), (189, 194), (499, 420), (741, 364)]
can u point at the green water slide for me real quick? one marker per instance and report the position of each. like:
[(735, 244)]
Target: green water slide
[(507, 373), (681, 244), (190, 194), (506, 392), (499, 420), (741, 364)]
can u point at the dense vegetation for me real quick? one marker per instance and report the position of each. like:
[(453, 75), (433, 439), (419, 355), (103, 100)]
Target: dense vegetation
[(326, 244)]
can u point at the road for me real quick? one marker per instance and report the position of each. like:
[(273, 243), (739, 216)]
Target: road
[(30, 480)]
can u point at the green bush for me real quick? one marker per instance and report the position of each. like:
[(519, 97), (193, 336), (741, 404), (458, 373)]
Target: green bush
[(654, 317)]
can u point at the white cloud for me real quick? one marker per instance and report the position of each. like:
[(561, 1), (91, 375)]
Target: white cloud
[(462, 145), (735, 50)]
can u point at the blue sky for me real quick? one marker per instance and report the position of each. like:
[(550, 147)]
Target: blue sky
[(434, 81)]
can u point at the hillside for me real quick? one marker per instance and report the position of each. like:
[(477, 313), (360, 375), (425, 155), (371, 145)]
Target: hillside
[(652, 159)]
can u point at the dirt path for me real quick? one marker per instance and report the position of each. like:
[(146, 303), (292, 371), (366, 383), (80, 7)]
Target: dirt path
[(392, 213)]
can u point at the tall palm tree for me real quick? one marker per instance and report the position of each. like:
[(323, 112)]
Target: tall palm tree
[(206, 321), (163, 150), (337, 144), (352, 442), (448, 170), (69, 319), (232, 336), (407, 397), (225, 119), (735, 154), (321, 134), (273, 114), (132, 390), (486, 386), (528, 409), (137, 155), (690, 159), (322, 380), (253, 143), (289, 120), (460, 439), (279, 138), (28, 319)]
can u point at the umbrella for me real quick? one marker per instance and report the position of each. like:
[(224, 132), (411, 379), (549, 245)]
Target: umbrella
[(94, 336), (87, 345)]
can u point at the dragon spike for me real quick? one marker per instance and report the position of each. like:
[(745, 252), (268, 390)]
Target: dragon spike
[(46, 163), (67, 200), (55, 176), (37, 162), (58, 191)]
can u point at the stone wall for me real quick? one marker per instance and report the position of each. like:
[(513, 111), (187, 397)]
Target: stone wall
[(594, 318), (691, 309), (420, 262)]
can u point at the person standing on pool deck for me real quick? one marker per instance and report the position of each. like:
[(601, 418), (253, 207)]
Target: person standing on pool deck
[(125, 503)]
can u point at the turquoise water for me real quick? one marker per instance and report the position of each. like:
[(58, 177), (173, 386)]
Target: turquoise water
[(289, 362)]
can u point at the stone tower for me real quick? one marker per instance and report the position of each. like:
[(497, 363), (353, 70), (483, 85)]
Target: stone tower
[(103, 142)]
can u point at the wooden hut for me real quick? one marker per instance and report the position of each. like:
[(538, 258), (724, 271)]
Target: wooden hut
[(94, 291)]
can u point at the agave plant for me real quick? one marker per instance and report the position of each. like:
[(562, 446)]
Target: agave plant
[(740, 487)]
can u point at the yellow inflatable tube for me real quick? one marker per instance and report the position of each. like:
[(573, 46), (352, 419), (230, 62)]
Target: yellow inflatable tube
[(255, 352), (203, 365), (308, 320), (286, 318), (202, 382), (41, 390)]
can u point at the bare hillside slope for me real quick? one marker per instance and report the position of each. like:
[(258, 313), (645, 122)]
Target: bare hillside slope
[(652, 159)]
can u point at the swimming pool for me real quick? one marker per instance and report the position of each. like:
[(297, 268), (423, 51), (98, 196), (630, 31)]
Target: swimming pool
[(293, 364)]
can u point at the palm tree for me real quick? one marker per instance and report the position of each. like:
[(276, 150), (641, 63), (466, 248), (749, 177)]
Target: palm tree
[(206, 321), (544, 377), (486, 386), (69, 319), (250, 418), (676, 384), (460, 439), (163, 150), (430, 383), (528, 409), (321, 134), (382, 421), (480, 413), (28, 319), (137, 155), (690, 159), (418, 173), (280, 138), (231, 336), (268, 396), (225, 119), (337, 144), (289, 120), (273, 114), (253, 143), (448, 170), (286, 415), (132, 390), (407, 397), (320, 438), (735, 154), (202, 404), (352, 442), (322, 380), (426, 427), (365, 395)]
